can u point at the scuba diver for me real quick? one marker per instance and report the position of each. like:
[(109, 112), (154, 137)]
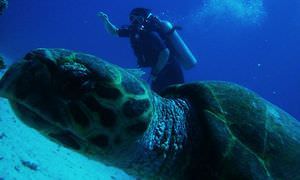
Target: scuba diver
[(156, 44)]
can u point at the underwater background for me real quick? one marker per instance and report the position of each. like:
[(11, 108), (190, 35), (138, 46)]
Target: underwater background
[(255, 43)]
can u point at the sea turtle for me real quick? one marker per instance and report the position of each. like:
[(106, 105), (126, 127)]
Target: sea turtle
[(3, 6), (201, 130)]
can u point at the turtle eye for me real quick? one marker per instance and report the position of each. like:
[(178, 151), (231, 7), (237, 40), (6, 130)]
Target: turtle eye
[(74, 81)]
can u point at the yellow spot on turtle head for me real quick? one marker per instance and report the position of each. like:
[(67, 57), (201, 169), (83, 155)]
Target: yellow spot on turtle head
[(70, 58)]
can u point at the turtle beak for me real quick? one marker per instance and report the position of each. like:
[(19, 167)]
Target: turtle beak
[(6, 81), (9, 81), (29, 87), (21, 79)]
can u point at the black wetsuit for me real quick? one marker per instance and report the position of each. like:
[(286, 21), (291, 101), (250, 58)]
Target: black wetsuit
[(147, 46)]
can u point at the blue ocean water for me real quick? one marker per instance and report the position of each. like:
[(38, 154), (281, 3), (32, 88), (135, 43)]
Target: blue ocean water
[(255, 43), (251, 42)]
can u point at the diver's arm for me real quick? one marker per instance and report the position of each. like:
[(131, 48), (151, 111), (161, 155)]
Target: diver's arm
[(162, 61), (110, 28)]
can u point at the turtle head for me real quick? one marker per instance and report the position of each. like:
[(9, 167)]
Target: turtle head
[(78, 100)]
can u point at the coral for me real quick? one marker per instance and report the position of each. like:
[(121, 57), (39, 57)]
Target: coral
[(30, 165), (3, 5)]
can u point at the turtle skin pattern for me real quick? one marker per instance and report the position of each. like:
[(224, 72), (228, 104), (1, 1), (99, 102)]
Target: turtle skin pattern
[(94, 108)]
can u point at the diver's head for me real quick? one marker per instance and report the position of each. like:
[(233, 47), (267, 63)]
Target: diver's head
[(137, 16)]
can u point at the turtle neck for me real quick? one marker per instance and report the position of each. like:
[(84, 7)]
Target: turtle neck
[(161, 147)]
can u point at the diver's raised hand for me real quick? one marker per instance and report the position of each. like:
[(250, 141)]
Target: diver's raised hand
[(103, 16), (112, 29)]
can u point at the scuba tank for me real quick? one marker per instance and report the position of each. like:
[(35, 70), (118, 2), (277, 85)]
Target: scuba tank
[(182, 53)]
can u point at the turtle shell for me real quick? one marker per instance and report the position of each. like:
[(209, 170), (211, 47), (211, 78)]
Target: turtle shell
[(244, 136)]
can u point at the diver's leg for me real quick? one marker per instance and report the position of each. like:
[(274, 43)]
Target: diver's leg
[(158, 84), (175, 73), (171, 74)]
